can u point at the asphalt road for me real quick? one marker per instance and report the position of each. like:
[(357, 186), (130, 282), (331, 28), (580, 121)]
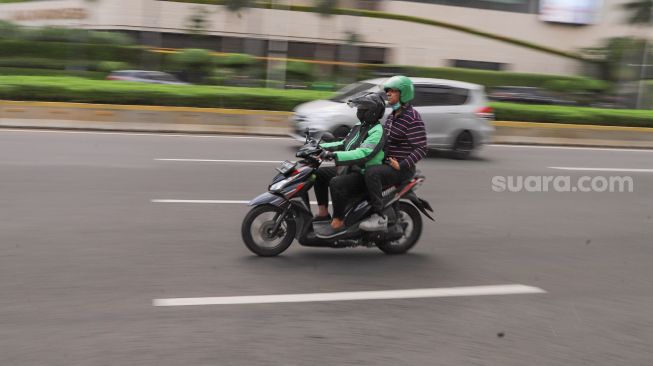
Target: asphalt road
[(84, 252)]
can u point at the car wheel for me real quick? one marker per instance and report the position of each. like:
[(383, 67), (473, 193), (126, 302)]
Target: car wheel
[(462, 146), (341, 132)]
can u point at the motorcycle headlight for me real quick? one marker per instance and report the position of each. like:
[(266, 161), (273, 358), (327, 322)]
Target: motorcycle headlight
[(279, 185)]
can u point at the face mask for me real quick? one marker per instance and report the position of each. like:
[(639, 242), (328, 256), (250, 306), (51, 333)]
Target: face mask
[(396, 106)]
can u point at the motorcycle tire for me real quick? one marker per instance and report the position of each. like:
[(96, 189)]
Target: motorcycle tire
[(256, 231), (411, 220)]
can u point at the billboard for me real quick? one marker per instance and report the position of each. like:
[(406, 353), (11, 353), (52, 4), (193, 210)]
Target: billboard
[(580, 12)]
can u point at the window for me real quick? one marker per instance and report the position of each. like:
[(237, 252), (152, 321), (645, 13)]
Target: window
[(517, 6), (479, 65), (439, 95)]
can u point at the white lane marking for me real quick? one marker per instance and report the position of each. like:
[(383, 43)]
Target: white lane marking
[(602, 169), (29, 130), (222, 161), (207, 201), (349, 296), (571, 148), (197, 201)]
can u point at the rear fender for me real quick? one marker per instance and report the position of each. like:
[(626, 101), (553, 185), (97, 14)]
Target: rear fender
[(422, 205)]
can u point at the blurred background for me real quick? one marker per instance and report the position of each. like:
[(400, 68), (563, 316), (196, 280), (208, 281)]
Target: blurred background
[(568, 52), (95, 226)]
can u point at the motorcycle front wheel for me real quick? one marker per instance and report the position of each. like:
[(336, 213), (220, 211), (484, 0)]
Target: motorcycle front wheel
[(258, 231), (411, 221)]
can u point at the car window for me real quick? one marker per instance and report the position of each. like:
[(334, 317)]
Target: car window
[(350, 90), (439, 95), (150, 75), (161, 76)]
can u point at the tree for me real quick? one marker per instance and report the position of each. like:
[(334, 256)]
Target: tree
[(198, 21), (325, 7), (639, 12), (237, 5)]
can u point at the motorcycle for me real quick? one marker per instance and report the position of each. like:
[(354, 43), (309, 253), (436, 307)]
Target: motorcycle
[(283, 213)]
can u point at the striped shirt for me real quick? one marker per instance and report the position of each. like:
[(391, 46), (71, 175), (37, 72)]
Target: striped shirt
[(406, 137)]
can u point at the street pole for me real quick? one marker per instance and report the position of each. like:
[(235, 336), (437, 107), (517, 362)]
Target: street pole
[(642, 73)]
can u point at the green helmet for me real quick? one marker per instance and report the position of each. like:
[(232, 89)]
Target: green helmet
[(404, 85)]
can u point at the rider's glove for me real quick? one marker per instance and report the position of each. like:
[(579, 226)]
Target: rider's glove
[(327, 155)]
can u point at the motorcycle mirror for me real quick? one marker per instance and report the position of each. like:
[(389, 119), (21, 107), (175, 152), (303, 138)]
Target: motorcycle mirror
[(307, 133)]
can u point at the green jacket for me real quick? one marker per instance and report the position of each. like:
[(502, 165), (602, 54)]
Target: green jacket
[(362, 148)]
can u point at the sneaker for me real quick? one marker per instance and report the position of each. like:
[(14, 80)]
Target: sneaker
[(375, 222), (327, 232)]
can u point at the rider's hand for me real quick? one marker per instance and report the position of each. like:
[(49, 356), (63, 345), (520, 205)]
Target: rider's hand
[(394, 164), (327, 155)]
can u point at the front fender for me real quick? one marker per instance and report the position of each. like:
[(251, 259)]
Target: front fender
[(268, 198)]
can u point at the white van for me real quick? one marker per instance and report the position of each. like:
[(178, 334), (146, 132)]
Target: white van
[(455, 113)]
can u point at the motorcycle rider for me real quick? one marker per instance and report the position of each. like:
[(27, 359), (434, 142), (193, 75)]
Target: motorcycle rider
[(361, 149), (406, 145)]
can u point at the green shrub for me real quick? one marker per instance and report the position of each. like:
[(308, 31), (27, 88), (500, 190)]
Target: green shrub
[(112, 38), (195, 64), (5, 71), (8, 30), (193, 57), (70, 89), (109, 66), (572, 115), (300, 71), (33, 63), (66, 51), (60, 34), (236, 60), (483, 77), (116, 92), (579, 85)]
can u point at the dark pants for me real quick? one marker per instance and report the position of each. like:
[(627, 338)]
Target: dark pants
[(343, 189), (379, 176), (322, 181)]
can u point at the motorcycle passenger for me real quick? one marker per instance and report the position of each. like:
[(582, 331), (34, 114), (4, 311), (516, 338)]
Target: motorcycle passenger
[(406, 145), (361, 149)]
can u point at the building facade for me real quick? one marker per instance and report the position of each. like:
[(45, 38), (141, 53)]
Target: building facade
[(567, 25)]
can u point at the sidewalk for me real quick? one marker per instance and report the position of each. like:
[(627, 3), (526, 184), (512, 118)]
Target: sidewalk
[(81, 116)]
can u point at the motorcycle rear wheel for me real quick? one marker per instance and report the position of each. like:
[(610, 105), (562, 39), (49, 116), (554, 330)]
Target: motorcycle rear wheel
[(411, 220), (257, 231)]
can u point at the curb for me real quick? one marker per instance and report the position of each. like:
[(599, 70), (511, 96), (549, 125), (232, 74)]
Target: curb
[(54, 115), (136, 118)]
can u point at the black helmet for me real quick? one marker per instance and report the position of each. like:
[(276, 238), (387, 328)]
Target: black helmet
[(370, 107)]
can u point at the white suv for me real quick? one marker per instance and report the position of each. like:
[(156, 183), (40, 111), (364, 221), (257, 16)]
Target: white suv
[(455, 113)]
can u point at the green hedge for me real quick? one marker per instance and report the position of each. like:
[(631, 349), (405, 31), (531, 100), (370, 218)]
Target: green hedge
[(65, 51), (10, 71), (572, 115), (56, 64), (67, 89), (70, 89), (33, 63), (484, 77)]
